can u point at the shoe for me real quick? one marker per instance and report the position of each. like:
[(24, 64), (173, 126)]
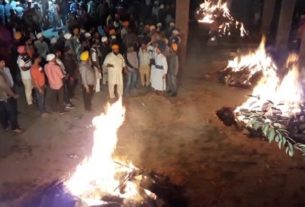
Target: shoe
[(70, 106), (62, 112), (18, 131), (43, 115)]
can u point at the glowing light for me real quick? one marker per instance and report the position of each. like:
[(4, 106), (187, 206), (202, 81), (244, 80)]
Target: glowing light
[(216, 12), (274, 94), (254, 62), (98, 174)]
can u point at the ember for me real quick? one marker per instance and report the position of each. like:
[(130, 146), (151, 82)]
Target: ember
[(246, 70), (275, 109), (217, 14)]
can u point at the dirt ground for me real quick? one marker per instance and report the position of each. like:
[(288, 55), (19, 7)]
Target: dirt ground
[(180, 137)]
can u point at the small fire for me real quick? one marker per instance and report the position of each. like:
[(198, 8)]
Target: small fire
[(273, 95), (252, 64), (97, 175), (212, 12)]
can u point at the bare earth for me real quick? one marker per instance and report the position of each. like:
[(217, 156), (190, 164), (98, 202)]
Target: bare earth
[(179, 137)]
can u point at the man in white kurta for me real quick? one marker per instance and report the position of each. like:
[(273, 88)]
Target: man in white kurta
[(159, 70), (115, 64)]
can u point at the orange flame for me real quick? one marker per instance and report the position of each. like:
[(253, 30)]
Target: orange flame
[(255, 61), (96, 175), (285, 94), (210, 11)]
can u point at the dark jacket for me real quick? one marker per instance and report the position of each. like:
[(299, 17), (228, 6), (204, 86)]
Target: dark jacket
[(70, 64), (173, 63), (5, 89)]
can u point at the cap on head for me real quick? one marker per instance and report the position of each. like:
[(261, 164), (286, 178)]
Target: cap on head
[(104, 39), (50, 57), (87, 35), (176, 32), (84, 56), (53, 40), (67, 35), (21, 49), (39, 35)]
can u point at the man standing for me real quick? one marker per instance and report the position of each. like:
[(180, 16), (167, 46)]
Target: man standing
[(71, 66), (173, 68), (104, 50), (88, 79), (115, 64), (24, 64), (132, 63), (59, 62), (159, 69), (55, 77), (94, 54), (144, 59), (38, 79), (8, 105), (41, 46)]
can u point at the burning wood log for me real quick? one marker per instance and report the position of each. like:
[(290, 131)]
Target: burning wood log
[(218, 17), (101, 181), (275, 110), (246, 70)]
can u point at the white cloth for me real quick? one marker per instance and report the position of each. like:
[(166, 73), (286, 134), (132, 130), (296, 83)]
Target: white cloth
[(144, 57), (28, 87), (115, 75), (151, 51), (26, 75), (158, 73), (112, 93), (98, 77)]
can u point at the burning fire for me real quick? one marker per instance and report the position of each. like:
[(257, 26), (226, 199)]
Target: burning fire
[(275, 110), (212, 12), (98, 174), (273, 95), (252, 64)]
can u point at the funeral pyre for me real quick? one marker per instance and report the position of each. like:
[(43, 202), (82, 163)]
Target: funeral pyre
[(101, 180), (246, 70), (275, 110), (216, 14)]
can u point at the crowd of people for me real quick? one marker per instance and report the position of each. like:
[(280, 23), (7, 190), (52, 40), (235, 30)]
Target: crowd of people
[(96, 44)]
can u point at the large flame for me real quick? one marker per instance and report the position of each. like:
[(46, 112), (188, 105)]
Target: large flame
[(212, 11), (276, 95), (97, 176), (254, 62)]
